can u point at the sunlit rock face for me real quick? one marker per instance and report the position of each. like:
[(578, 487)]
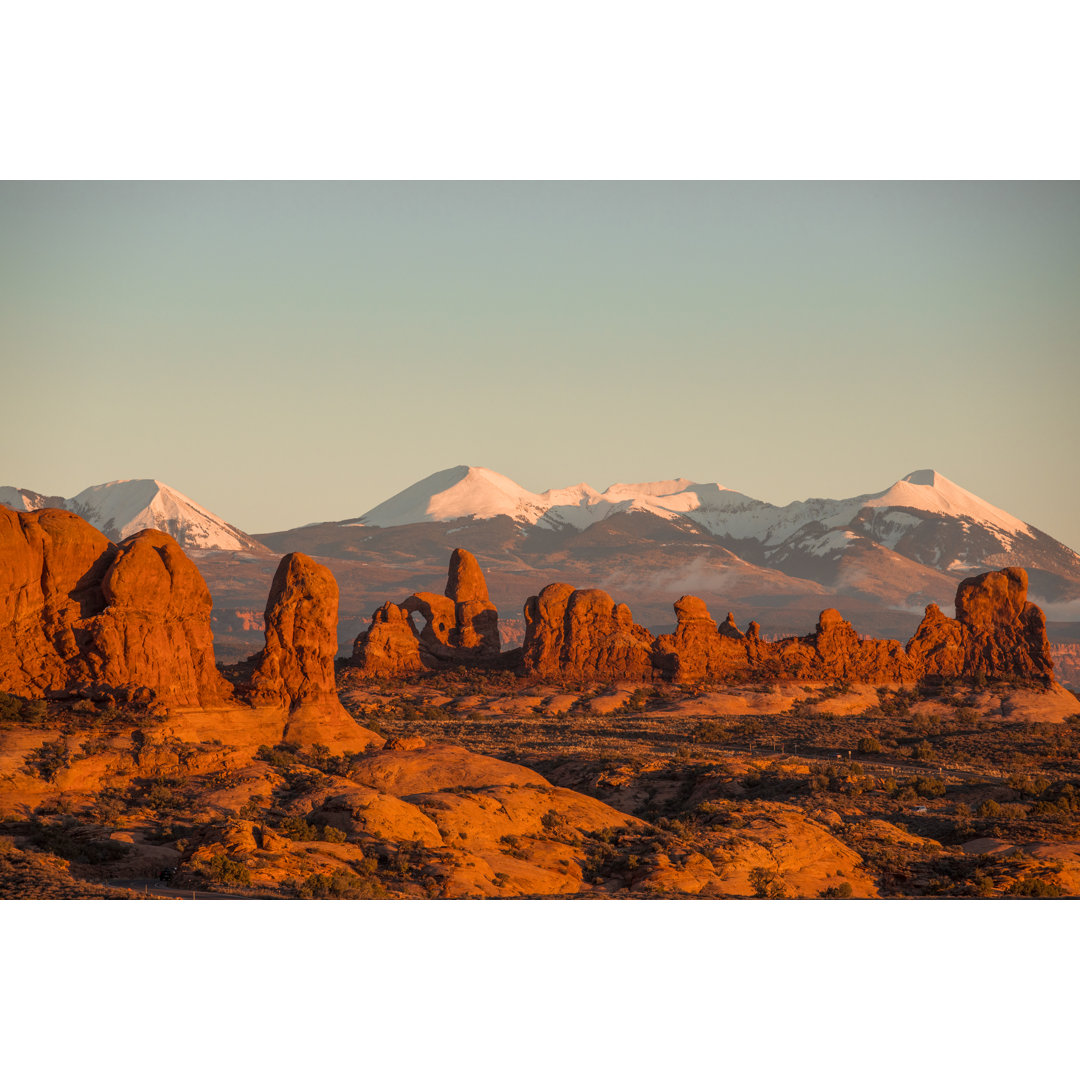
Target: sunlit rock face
[(459, 627)]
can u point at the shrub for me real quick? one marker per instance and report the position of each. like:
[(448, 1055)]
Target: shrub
[(223, 870), (48, 759), (334, 836), (297, 828), (340, 885), (837, 892), (930, 787), (869, 745), (767, 884), (1036, 888), (925, 752)]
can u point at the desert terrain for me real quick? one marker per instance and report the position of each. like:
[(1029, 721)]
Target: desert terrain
[(594, 761)]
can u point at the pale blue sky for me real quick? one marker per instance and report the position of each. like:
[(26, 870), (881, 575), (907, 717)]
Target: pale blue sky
[(286, 353)]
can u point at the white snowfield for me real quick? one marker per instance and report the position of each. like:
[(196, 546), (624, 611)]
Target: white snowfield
[(470, 491), (123, 507)]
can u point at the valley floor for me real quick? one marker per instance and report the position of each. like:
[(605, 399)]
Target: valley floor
[(497, 787)]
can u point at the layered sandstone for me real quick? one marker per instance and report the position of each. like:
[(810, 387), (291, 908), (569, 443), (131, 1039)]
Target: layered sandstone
[(460, 626)]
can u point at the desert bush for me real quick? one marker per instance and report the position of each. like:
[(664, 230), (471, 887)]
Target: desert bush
[(869, 745), (297, 828), (1032, 786), (837, 892), (925, 752), (334, 836), (767, 884), (930, 787), (966, 715), (48, 759), (223, 870), (281, 756), (1036, 888), (713, 731), (1008, 812)]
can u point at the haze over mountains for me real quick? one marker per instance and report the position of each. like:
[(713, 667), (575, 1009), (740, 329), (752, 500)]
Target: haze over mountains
[(879, 557)]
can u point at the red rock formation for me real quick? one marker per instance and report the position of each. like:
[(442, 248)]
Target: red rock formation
[(154, 633), (698, 649), (583, 633), (390, 646), (460, 627), (938, 645), (476, 620), (997, 632), (79, 614), (296, 666), (51, 566)]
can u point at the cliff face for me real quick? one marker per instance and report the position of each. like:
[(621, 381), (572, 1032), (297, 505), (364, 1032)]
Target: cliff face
[(79, 614)]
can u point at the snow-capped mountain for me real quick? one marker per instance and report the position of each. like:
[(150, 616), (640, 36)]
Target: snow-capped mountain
[(866, 543), (469, 491), (924, 516), (123, 507)]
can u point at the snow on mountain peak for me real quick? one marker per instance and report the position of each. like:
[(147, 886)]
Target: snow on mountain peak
[(926, 489), (463, 491), (122, 507)]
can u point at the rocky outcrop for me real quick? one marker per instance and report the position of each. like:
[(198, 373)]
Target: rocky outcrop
[(390, 647), (698, 649), (476, 621), (461, 626), (294, 672), (997, 632), (80, 615), (834, 651), (583, 633), (296, 666)]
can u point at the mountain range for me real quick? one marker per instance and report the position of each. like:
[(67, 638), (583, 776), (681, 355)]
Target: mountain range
[(879, 557)]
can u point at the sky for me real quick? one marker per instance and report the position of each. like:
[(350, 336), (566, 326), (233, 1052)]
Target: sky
[(293, 352)]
